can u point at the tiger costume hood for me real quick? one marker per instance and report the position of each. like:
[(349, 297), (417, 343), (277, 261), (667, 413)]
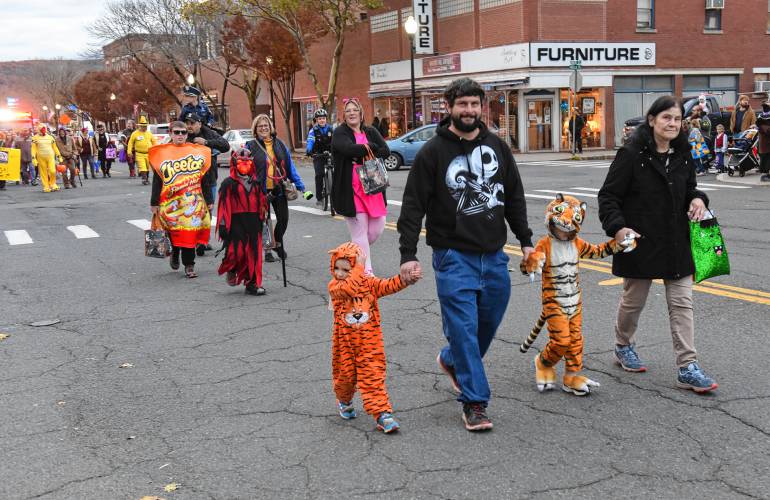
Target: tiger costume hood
[(564, 216), (350, 252)]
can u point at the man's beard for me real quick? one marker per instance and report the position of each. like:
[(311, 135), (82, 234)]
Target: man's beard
[(462, 126)]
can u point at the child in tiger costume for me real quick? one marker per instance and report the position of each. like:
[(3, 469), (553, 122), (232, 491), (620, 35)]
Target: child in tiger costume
[(358, 355), (556, 257)]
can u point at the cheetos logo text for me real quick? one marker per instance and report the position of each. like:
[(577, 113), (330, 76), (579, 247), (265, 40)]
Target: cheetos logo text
[(169, 169)]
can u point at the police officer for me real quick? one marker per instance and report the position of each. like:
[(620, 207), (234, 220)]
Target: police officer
[(191, 103), (319, 141)]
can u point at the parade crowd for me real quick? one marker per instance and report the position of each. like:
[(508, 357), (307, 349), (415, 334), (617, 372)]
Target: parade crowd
[(466, 186)]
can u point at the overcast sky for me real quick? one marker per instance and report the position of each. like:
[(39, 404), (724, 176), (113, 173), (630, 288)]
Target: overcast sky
[(44, 29)]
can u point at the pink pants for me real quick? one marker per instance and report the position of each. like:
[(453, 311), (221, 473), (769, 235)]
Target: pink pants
[(364, 231)]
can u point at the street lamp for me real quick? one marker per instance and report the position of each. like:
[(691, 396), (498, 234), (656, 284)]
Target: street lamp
[(58, 108), (269, 61), (190, 79), (112, 97), (410, 26)]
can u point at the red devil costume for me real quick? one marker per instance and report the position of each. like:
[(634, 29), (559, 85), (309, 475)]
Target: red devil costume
[(240, 216)]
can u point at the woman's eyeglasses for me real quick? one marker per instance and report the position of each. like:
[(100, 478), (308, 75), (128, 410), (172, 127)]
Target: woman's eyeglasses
[(179, 132)]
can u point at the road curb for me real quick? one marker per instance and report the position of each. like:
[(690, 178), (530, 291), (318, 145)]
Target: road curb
[(749, 180)]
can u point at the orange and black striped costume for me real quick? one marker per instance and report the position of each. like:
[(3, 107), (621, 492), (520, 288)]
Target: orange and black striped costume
[(558, 254), (358, 354)]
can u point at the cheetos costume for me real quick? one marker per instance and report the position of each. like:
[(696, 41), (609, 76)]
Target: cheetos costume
[(139, 145), (358, 354), (45, 154), (557, 256)]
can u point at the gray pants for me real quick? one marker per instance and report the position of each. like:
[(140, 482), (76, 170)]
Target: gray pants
[(680, 315)]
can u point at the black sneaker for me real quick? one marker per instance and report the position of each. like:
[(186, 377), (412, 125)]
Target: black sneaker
[(174, 262), (269, 257), (200, 250), (252, 289), (475, 417)]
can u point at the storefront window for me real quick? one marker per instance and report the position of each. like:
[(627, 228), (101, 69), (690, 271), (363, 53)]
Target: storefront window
[(591, 103), (437, 108), (394, 114), (500, 115)]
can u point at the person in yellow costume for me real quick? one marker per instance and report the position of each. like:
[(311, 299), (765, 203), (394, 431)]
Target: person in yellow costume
[(139, 144), (45, 156)]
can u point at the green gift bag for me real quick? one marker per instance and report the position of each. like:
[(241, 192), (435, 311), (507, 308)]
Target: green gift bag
[(708, 249)]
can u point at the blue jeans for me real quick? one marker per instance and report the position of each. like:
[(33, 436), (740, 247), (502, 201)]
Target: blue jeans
[(473, 290)]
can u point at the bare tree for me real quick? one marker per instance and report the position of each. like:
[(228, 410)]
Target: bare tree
[(306, 21), (155, 31), (53, 82)]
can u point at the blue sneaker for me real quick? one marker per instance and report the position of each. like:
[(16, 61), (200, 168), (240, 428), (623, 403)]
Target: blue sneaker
[(692, 377), (346, 410), (387, 423), (628, 359)]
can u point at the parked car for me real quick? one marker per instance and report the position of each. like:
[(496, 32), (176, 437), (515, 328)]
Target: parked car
[(160, 131), (237, 139), (716, 116), (403, 149)]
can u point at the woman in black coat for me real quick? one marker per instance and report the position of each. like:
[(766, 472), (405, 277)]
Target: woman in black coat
[(650, 192), (364, 213)]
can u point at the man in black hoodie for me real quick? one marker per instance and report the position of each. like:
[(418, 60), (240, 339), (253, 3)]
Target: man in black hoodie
[(466, 183)]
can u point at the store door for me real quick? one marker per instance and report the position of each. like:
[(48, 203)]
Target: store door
[(539, 116)]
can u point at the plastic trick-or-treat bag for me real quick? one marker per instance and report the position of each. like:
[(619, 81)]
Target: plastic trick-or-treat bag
[(156, 240), (372, 174), (709, 251)]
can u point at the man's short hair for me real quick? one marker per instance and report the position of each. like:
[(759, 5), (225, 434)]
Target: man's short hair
[(177, 125), (462, 87)]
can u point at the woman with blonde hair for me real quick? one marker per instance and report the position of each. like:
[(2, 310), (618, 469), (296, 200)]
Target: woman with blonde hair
[(364, 213), (273, 163)]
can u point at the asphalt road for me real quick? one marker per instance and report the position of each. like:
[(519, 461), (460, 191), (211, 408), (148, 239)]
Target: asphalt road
[(229, 396)]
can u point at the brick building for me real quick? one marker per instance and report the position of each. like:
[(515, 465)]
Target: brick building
[(632, 51)]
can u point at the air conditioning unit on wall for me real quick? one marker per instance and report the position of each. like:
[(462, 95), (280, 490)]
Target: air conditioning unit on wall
[(762, 86), (715, 4)]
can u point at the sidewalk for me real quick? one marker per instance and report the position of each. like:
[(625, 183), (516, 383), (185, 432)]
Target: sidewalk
[(751, 179), (603, 154)]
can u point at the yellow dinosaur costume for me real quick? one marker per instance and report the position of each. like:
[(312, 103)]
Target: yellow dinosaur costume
[(556, 256), (44, 156), (139, 145)]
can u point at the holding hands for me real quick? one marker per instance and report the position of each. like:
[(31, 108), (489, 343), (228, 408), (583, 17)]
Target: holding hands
[(411, 272)]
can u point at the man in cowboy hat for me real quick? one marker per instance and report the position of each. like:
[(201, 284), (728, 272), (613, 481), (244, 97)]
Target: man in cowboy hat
[(139, 145)]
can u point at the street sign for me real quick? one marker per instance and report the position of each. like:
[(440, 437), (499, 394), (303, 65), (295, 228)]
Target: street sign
[(576, 64), (576, 81)]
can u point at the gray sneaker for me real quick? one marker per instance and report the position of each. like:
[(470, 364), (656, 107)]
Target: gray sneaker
[(627, 358), (692, 377)]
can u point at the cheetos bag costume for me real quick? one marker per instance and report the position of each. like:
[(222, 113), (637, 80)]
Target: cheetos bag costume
[(557, 257), (183, 210), (358, 354), (241, 214)]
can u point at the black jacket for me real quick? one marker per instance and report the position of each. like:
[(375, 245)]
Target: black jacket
[(642, 194), (214, 141), (344, 151), (468, 190)]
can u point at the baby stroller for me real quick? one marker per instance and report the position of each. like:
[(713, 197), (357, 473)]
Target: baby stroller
[(742, 156)]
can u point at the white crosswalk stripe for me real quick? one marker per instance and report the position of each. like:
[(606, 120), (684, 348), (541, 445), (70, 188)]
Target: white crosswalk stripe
[(567, 163), (572, 193), (82, 231), (723, 185), (142, 224), (18, 237)]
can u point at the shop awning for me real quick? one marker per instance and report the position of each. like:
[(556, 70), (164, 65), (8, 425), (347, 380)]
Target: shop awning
[(436, 85)]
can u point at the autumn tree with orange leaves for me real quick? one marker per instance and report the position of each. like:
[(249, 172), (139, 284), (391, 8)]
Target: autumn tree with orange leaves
[(92, 94)]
